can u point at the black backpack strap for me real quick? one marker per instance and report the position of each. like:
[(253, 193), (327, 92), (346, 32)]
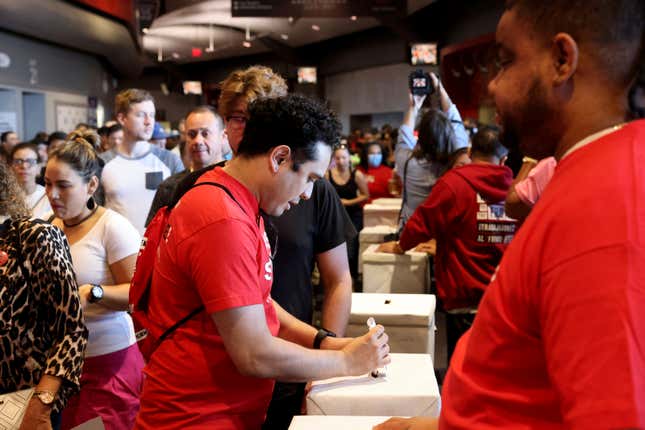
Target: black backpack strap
[(201, 307)]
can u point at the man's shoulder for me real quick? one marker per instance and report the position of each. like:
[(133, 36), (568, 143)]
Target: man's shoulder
[(167, 157)]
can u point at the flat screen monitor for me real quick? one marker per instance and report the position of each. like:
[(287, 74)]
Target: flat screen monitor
[(423, 54), (192, 87), (307, 75)]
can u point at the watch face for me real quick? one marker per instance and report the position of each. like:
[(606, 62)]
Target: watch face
[(97, 292), (45, 397)]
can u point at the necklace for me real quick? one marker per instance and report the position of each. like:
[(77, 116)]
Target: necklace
[(96, 207)]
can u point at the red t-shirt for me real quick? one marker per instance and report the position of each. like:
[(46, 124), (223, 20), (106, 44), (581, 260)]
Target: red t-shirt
[(377, 179), (215, 254), (559, 340)]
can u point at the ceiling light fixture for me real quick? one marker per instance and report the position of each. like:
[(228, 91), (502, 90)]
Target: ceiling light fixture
[(353, 17), (284, 36), (290, 19), (175, 55), (211, 39), (246, 44), (315, 27)]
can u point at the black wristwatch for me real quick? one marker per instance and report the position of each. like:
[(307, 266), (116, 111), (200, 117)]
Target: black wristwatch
[(96, 293), (322, 333)]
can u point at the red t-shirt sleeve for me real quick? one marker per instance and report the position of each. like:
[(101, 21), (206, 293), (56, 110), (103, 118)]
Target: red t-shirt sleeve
[(222, 262), (594, 337), (432, 213)]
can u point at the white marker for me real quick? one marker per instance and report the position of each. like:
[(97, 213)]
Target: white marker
[(371, 323)]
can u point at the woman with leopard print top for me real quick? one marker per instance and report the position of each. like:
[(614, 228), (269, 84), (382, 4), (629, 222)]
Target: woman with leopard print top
[(42, 333)]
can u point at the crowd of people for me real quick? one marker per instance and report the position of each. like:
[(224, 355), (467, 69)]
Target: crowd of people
[(523, 263)]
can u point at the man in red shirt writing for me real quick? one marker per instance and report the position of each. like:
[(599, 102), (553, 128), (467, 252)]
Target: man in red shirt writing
[(217, 370), (559, 338)]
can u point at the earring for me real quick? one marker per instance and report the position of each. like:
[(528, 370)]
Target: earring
[(91, 203)]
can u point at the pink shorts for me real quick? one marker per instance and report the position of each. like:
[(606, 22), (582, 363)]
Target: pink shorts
[(110, 388)]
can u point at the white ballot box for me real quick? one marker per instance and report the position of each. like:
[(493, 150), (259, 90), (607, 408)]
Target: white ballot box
[(380, 215), (370, 236), (333, 422), (388, 201), (408, 319), (409, 388), (395, 273)]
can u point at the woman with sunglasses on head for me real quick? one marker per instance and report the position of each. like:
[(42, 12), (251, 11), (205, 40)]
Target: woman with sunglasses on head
[(104, 246), (42, 334), (351, 186), (25, 162)]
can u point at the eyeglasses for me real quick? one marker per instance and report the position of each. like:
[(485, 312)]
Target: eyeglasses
[(237, 120), (30, 162), (194, 133)]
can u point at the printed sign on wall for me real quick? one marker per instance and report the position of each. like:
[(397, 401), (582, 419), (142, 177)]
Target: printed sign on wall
[(69, 115)]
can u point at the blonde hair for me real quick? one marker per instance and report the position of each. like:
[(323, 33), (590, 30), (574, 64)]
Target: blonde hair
[(79, 152), (12, 198), (250, 84)]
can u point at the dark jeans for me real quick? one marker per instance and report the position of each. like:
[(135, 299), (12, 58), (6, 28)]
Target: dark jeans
[(456, 326), (56, 419), (285, 403)]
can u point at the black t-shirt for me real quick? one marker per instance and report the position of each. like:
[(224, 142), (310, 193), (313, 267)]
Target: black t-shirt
[(311, 227)]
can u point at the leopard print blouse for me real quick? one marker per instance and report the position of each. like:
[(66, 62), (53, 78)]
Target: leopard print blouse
[(41, 322)]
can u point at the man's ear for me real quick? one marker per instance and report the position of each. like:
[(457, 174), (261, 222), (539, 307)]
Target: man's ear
[(564, 53), (279, 155), (120, 118)]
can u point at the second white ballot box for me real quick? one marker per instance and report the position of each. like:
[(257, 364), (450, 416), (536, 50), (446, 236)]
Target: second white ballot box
[(334, 422), (408, 388), (370, 236), (408, 319), (380, 215), (395, 273), (388, 201)]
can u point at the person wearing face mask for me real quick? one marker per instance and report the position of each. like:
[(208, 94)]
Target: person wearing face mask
[(104, 247), (376, 173), (25, 162)]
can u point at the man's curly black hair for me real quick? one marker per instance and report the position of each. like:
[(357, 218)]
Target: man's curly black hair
[(294, 120)]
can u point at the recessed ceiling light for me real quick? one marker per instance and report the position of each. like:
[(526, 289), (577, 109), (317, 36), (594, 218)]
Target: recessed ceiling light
[(284, 36), (246, 44), (315, 27), (145, 30), (175, 55), (353, 17)]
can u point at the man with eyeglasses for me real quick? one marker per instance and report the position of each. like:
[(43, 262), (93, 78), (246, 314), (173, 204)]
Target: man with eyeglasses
[(204, 144)]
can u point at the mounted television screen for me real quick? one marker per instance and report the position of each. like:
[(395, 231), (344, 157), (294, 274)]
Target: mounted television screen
[(307, 75), (192, 87), (423, 53)]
